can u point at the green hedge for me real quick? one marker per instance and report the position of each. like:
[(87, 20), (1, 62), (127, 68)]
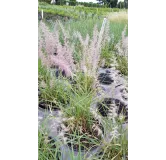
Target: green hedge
[(47, 1), (60, 13), (75, 12)]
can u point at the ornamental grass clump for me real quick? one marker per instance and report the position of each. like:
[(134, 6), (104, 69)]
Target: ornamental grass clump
[(106, 58), (122, 45), (52, 52), (47, 148), (90, 52), (122, 54), (115, 144), (80, 122)]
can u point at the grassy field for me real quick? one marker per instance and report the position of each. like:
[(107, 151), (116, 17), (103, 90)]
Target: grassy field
[(70, 54)]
